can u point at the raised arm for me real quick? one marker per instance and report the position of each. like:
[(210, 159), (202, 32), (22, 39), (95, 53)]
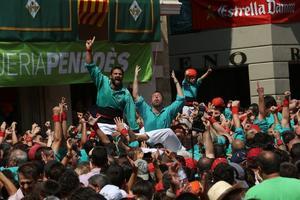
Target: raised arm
[(14, 137), (177, 84), (135, 87), (235, 114), (88, 54), (83, 129), (63, 116), (9, 186), (205, 75), (261, 102), (58, 135), (285, 110), (209, 147), (2, 132)]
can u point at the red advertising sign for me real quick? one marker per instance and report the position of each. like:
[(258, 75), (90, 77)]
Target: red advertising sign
[(209, 14)]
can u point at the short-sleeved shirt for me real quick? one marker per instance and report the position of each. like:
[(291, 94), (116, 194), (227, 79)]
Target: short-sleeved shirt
[(270, 119), (117, 99), (153, 121), (279, 188), (190, 90), (263, 124)]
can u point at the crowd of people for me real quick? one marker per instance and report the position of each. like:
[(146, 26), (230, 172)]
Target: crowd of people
[(129, 149)]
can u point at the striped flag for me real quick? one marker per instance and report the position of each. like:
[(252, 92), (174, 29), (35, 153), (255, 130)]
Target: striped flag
[(92, 12)]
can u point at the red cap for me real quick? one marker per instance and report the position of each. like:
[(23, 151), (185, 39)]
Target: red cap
[(190, 163), (255, 127), (191, 72), (32, 151), (217, 161), (254, 152), (218, 102), (196, 187)]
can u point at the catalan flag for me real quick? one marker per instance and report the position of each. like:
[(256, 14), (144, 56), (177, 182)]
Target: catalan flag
[(92, 12)]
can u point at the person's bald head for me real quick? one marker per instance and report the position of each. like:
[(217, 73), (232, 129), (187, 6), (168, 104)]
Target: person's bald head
[(269, 162), (204, 164)]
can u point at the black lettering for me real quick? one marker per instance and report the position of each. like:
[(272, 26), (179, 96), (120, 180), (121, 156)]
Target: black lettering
[(295, 54), (211, 61)]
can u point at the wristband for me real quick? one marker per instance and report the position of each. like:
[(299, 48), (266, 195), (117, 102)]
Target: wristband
[(124, 132), (235, 110), (279, 142), (2, 134), (212, 120), (285, 103), (63, 116), (56, 118), (89, 50), (95, 127)]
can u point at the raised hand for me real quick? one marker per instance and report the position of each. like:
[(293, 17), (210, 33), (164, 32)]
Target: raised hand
[(63, 105), (137, 70), (260, 89), (209, 70), (119, 123), (13, 126), (273, 109), (89, 44), (3, 126), (90, 119), (235, 103), (48, 125), (173, 76), (287, 94)]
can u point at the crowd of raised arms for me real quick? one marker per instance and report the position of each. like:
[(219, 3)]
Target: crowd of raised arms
[(126, 148)]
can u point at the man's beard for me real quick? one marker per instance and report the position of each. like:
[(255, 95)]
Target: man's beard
[(156, 104), (117, 82)]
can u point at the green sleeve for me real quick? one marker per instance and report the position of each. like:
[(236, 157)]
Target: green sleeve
[(239, 134), (95, 73), (142, 106), (176, 106)]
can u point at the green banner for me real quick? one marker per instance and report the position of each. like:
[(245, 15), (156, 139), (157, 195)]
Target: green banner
[(41, 64), (38, 20), (134, 20)]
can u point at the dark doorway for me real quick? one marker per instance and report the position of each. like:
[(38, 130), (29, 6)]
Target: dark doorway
[(9, 110), (231, 83), (228, 83), (83, 98), (294, 71)]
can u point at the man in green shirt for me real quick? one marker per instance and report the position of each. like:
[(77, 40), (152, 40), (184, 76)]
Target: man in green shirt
[(156, 116), (273, 186), (113, 100)]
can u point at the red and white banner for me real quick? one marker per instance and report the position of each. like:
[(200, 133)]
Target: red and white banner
[(210, 14)]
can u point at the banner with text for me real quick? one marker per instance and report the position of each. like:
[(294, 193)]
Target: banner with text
[(40, 64), (209, 14)]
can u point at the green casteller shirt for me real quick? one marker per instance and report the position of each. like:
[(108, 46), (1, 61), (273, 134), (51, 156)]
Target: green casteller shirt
[(117, 99), (190, 89), (162, 120), (279, 188)]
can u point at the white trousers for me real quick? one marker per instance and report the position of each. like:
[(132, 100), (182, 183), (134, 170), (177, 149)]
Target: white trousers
[(166, 137)]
